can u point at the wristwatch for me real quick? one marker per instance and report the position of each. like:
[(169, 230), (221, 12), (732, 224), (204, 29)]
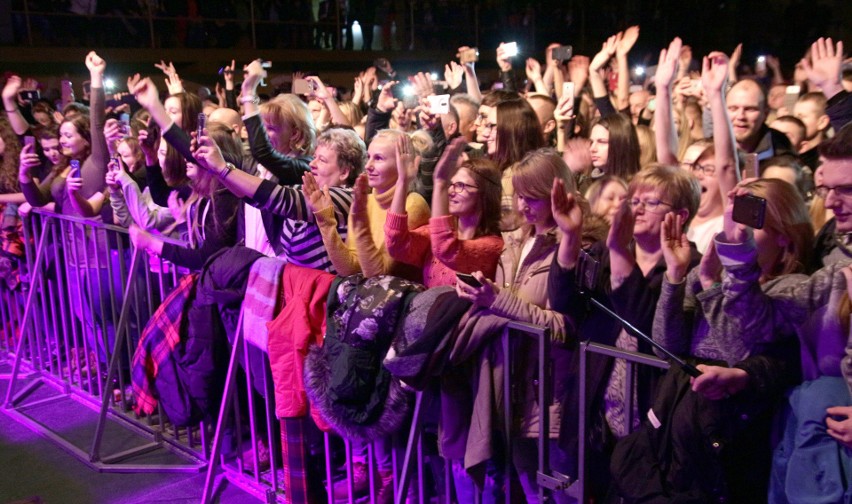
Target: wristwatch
[(229, 167), (250, 99)]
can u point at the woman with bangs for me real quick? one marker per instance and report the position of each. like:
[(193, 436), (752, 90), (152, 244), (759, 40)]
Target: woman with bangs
[(37, 175), (210, 211), (519, 293), (614, 147), (463, 234), (631, 269), (511, 130)]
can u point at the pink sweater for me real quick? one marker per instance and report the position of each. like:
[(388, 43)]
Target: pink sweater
[(437, 249)]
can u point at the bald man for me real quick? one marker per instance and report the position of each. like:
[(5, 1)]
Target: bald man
[(229, 117), (748, 110)]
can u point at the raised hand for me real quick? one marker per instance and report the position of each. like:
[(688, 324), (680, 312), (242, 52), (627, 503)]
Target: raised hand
[(316, 197), (177, 206), (73, 184), (253, 73), (577, 155), (533, 69), (824, 68), (95, 63), (621, 230), (167, 68), (714, 73), (564, 110), (503, 61), (386, 102), (566, 210), (675, 245), (28, 160), (468, 65), (453, 74), (423, 84), (667, 66), (578, 72), (221, 98), (144, 91), (406, 165), (320, 91), (228, 75), (448, 164), (631, 35), (734, 62), (10, 90), (208, 155), (734, 231), (606, 53), (360, 193)]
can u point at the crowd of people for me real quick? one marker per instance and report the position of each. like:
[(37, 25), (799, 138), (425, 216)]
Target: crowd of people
[(709, 209)]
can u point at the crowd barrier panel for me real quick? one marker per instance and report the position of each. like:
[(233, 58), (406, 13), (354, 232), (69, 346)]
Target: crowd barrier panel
[(632, 359), (81, 319)]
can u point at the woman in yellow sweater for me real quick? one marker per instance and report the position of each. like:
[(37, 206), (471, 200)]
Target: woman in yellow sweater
[(363, 249)]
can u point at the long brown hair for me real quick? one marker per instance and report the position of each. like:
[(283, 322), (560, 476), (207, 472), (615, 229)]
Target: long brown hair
[(10, 156), (174, 170), (81, 123), (487, 178), (623, 155), (518, 132)]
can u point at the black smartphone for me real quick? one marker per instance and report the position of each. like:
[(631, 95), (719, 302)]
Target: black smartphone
[(562, 53), (30, 140), (469, 279), (30, 96), (153, 138), (750, 210), (588, 271), (75, 168), (202, 123)]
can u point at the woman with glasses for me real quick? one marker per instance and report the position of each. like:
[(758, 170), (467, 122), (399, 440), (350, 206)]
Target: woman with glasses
[(463, 234), (625, 274)]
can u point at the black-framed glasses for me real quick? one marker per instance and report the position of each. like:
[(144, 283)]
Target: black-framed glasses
[(650, 205), (705, 169), (842, 191), (489, 126), (461, 187)]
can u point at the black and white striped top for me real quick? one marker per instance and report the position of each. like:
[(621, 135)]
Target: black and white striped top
[(300, 236)]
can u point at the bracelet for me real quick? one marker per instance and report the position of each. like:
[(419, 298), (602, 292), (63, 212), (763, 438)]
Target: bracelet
[(229, 167), (13, 111), (250, 99)]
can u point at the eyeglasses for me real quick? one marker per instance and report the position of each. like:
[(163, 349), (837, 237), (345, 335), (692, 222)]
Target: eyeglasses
[(842, 191), (705, 169), (650, 205), (488, 126), (460, 187)]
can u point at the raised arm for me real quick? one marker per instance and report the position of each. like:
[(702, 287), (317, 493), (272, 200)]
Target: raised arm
[(533, 70), (664, 125), (10, 104), (622, 90), (714, 77), (403, 245), (470, 80), (596, 74), (324, 95), (670, 327), (318, 199)]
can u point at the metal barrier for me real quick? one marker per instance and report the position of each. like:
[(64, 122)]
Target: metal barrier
[(83, 314), (631, 358)]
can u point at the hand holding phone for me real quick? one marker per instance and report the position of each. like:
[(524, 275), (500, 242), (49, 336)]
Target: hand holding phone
[(75, 169), (469, 279), (749, 210), (562, 53), (439, 104), (202, 123), (510, 49)]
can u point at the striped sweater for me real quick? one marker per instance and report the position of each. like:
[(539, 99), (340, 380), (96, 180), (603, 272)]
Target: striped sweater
[(300, 237)]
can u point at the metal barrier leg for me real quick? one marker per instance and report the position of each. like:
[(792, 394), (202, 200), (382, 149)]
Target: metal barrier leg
[(227, 398), (422, 401), (35, 284), (116, 357), (507, 416)]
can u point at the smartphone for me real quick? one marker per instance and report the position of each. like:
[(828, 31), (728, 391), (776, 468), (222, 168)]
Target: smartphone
[(402, 90), (117, 162), (202, 123), (439, 104), (567, 89), (562, 53), (29, 140), (760, 65), (749, 210), (30, 96), (153, 138), (751, 167), (469, 279), (124, 119), (302, 87), (791, 96), (510, 49), (75, 168), (265, 64), (588, 271), (67, 92), (470, 55)]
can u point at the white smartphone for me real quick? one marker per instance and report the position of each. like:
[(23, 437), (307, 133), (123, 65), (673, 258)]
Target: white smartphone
[(510, 49), (567, 89), (439, 104)]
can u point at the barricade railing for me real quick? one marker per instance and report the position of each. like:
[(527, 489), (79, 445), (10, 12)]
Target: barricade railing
[(632, 359), (86, 303)]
